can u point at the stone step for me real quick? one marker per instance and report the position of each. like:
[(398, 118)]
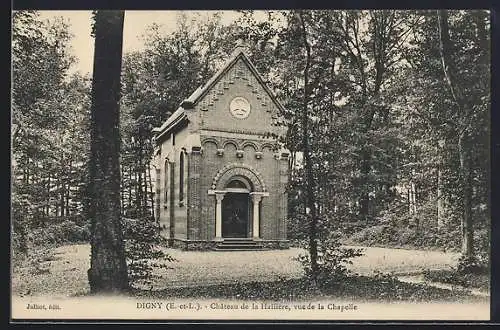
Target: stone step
[(240, 249), (238, 244), (238, 239), (227, 245)]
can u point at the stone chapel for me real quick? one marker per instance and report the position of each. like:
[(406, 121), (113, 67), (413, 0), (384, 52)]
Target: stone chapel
[(220, 183)]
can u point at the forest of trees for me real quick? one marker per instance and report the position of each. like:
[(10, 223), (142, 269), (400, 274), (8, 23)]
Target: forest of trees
[(387, 114)]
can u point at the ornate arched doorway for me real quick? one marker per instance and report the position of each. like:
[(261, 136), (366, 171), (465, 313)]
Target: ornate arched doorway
[(236, 209), (238, 191)]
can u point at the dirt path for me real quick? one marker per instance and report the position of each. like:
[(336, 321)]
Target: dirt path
[(420, 279), (66, 275), (217, 267)]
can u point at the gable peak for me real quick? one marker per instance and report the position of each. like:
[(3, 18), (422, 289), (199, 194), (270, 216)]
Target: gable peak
[(241, 47)]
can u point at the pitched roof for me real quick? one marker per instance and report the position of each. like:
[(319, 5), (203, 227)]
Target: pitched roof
[(180, 113)]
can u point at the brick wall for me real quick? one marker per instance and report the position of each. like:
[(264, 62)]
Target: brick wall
[(267, 166), (214, 107), (172, 208), (222, 136)]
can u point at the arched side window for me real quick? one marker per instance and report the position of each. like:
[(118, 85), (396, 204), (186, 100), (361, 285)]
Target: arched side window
[(181, 178), (166, 187)]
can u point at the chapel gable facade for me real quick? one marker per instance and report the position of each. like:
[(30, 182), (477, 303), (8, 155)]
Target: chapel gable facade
[(220, 183)]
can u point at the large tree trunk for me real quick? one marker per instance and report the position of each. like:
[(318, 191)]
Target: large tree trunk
[(108, 268)]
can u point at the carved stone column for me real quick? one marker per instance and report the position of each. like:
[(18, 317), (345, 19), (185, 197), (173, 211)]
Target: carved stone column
[(219, 196), (256, 198)]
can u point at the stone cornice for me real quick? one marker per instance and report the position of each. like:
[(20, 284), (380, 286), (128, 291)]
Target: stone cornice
[(235, 133)]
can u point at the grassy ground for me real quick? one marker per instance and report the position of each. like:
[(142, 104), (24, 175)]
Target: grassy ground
[(354, 288), (59, 272), (63, 272), (252, 278)]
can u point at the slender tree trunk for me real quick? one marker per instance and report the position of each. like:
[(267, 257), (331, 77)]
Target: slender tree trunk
[(138, 187), (134, 190), (414, 205), (122, 190), (129, 188), (62, 194), (57, 203), (364, 201), (25, 173), (466, 180), (440, 200), (68, 191), (66, 200), (125, 190), (309, 177), (414, 197), (108, 267), (291, 164), (158, 194), (48, 195), (151, 195), (450, 74), (483, 40), (481, 34), (381, 30), (144, 188)]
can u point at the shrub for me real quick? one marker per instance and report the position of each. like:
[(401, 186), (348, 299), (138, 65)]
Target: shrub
[(142, 240), (295, 227), (471, 265), (450, 276), (455, 276), (22, 215), (482, 247), (59, 233), (72, 232), (398, 228), (379, 234), (332, 260)]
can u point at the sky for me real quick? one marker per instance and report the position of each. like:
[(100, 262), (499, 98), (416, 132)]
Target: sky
[(135, 26)]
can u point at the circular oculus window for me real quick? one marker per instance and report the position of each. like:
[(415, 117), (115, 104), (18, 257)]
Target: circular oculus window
[(239, 107)]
